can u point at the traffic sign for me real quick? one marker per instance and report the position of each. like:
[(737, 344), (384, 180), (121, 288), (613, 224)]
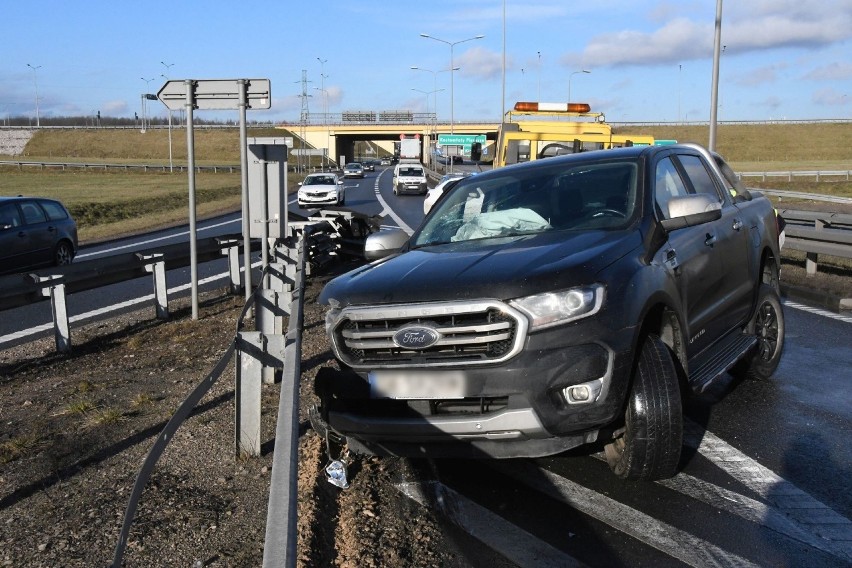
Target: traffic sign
[(460, 139), (215, 94)]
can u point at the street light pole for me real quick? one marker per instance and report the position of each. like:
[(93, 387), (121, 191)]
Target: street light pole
[(35, 81), (324, 106), (325, 121), (145, 104), (452, 45), (435, 80), (168, 67), (569, 81)]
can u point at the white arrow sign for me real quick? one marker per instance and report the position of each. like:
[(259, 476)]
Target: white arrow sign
[(215, 94)]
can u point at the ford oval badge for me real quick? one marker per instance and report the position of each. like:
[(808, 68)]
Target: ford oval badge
[(416, 337)]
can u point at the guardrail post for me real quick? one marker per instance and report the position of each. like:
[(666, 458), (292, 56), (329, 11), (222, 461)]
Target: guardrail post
[(59, 311), (232, 249), (155, 264), (811, 258), (250, 344)]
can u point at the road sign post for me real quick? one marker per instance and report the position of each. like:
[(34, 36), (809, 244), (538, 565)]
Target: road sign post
[(215, 94)]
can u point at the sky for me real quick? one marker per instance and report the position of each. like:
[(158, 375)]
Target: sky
[(647, 61)]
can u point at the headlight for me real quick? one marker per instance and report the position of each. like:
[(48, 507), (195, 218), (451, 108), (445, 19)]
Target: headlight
[(331, 319), (555, 308)]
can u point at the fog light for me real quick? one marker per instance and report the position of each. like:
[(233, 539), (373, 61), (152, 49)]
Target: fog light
[(579, 394)]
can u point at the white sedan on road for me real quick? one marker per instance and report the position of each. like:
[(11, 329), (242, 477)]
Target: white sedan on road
[(321, 189)]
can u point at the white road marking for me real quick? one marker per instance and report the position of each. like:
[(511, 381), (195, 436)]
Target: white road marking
[(386, 210), (811, 514), (670, 540), (106, 309), (818, 311), (497, 533), (155, 240)]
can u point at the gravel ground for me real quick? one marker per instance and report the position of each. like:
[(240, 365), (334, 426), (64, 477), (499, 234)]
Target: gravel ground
[(77, 427)]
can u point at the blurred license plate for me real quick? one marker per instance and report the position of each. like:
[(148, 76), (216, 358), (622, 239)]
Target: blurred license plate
[(416, 384)]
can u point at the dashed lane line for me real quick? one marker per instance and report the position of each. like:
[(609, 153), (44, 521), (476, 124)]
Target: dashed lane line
[(105, 310), (818, 311)]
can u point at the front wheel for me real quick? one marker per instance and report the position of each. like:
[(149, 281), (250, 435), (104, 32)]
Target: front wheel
[(650, 444), (767, 324)]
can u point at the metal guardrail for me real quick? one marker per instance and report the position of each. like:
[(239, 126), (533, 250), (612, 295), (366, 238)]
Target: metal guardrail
[(817, 175), (260, 356), (20, 164), (815, 233)]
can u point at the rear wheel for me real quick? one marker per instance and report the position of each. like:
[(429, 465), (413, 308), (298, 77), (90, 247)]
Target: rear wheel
[(63, 254), (767, 324), (649, 445)]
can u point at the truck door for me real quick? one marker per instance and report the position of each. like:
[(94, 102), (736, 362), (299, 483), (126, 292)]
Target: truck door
[(686, 255), (730, 244)]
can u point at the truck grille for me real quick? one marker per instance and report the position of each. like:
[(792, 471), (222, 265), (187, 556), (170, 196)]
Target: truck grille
[(468, 333)]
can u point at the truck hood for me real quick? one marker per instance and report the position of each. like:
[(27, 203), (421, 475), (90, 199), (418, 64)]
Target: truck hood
[(502, 268)]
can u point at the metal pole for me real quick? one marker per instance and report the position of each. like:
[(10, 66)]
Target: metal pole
[(264, 184), (193, 237), (35, 81), (171, 162), (244, 180), (714, 90)]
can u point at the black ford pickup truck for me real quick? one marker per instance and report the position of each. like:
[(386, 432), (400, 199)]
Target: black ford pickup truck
[(561, 302)]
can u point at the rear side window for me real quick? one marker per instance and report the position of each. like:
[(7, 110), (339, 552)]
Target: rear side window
[(32, 213), (55, 211), (700, 177)]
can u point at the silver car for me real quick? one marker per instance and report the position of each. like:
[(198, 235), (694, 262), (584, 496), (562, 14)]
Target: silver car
[(321, 189)]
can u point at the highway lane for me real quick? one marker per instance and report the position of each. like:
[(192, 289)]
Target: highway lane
[(764, 479), (29, 322)]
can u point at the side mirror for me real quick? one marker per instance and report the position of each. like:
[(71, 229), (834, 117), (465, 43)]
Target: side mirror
[(692, 210), (384, 243)]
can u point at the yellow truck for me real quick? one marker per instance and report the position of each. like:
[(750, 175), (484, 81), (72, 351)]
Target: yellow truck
[(532, 131)]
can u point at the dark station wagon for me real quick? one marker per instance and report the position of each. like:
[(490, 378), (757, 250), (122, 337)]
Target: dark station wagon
[(35, 232)]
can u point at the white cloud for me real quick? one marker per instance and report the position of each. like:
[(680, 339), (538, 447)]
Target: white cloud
[(115, 108), (752, 26), (832, 72), (480, 63), (755, 77), (830, 97)]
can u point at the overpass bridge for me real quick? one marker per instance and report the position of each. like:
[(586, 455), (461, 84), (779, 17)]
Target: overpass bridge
[(364, 138)]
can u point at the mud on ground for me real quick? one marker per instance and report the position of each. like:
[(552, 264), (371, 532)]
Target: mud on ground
[(76, 428)]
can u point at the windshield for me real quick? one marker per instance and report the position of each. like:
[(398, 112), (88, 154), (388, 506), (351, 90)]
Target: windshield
[(319, 180), (598, 195), (410, 172)]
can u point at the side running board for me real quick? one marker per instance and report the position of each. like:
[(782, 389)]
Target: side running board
[(708, 366)]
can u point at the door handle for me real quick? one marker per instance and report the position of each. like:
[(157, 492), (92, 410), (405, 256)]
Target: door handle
[(710, 240), (737, 225)]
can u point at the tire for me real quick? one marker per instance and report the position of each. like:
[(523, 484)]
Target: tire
[(650, 446), (63, 254), (767, 323)]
